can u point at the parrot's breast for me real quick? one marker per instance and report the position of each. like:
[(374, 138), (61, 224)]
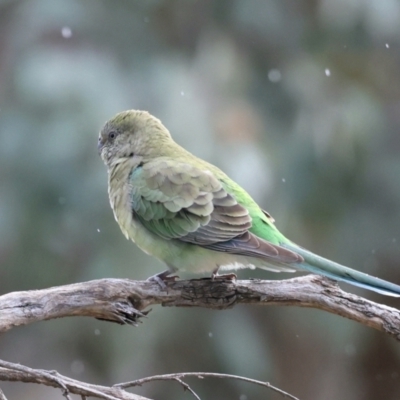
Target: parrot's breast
[(120, 195), (119, 192)]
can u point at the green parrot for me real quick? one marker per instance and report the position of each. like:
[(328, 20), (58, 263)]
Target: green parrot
[(192, 216)]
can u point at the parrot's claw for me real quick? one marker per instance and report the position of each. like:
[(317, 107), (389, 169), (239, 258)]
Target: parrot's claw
[(163, 277)]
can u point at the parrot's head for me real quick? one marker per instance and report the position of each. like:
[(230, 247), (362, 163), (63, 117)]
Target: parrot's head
[(132, 134)]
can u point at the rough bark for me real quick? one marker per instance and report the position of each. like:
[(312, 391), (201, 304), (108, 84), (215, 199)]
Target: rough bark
[(125, 301)]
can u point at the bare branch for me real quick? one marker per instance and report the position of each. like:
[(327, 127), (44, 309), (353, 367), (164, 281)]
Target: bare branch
[(123, 300), (187, 387), (2, 395), (201, 375), (19, 373)]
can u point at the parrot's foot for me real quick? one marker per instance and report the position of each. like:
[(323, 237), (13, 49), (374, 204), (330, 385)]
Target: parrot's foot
[(163, 277)]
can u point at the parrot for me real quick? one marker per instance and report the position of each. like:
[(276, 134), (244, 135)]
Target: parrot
[(190, 215)]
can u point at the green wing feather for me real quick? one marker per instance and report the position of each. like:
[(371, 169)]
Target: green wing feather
[(176, 200)]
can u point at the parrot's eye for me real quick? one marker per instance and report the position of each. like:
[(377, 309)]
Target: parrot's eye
[(112, 135)]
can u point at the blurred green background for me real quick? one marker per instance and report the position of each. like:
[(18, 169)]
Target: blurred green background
[(299, 101)]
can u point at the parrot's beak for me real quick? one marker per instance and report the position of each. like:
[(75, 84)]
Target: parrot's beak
[(100, 145)]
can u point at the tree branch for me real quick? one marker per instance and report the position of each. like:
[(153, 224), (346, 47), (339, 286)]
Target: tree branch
[(19, 373), (201, 375), (124, 301), (2, 395)]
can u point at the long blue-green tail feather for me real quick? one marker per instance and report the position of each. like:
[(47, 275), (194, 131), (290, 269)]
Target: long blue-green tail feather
[(322, 266)]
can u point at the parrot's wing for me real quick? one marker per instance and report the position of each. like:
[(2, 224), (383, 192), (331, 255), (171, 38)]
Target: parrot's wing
[(268, 215), (180, 201)]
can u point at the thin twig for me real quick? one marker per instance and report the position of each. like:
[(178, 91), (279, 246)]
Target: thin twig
[(51, 376), (202, 375), (188, 388), (2, 395), (19, 373)]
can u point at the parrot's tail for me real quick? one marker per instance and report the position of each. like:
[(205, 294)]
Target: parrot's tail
[(322, 266)]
